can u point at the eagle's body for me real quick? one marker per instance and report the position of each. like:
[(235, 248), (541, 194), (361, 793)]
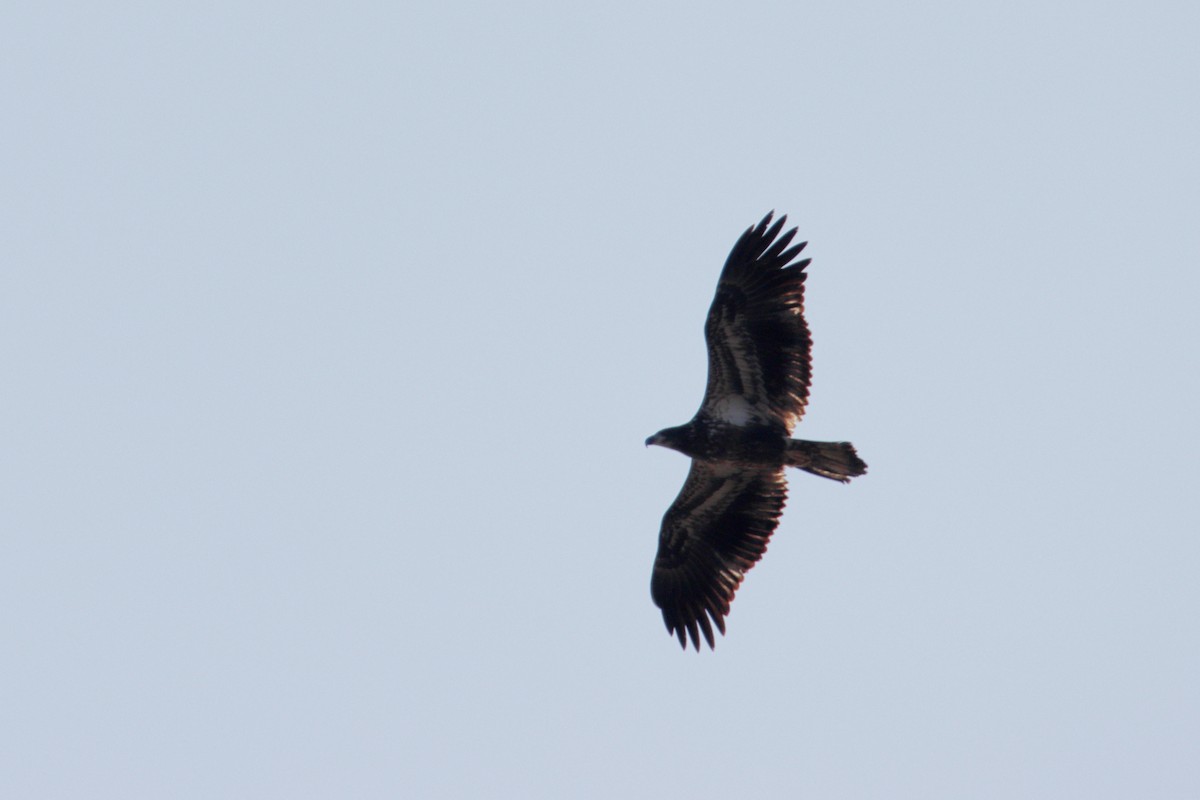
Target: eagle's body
[(739, 441), (717, 439)]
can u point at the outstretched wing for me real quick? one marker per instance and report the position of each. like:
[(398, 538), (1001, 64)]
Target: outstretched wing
[(758, 344), (716, 530)]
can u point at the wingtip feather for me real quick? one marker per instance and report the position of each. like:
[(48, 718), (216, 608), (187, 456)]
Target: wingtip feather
[(706, 627)]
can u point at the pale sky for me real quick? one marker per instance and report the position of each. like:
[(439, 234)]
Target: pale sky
[(331, 337)]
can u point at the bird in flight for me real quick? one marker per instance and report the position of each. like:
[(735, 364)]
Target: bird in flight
[(759, 371)]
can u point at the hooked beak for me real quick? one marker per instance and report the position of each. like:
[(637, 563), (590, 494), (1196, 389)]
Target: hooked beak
[(655, 439)]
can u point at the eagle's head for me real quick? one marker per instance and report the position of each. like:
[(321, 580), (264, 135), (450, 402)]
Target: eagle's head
[(673, 438)]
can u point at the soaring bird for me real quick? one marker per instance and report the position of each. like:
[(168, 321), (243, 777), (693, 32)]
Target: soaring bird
[(759, 371)]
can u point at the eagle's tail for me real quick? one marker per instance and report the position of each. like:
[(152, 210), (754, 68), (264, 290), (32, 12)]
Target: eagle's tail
[(835, 460)]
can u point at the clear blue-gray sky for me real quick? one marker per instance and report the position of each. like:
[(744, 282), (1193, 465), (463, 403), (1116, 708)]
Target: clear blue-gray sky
[(331, 335)]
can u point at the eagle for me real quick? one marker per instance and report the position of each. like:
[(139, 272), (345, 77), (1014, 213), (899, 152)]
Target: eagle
[(759, 371)]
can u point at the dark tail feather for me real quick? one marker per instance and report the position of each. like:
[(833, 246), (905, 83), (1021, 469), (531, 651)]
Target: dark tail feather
[(835, 460)]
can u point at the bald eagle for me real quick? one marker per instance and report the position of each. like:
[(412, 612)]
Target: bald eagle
[(759, 370)]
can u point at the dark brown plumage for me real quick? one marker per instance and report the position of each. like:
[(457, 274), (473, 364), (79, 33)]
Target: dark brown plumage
[(759, 371)]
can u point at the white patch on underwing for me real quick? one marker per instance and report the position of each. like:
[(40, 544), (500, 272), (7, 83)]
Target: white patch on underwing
[(736, 410)]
